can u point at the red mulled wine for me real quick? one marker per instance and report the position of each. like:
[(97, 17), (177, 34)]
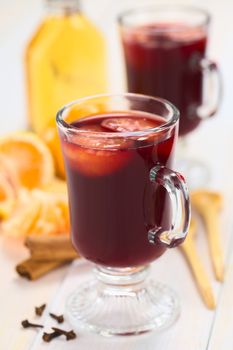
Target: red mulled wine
[(113, 204), (164, 60)]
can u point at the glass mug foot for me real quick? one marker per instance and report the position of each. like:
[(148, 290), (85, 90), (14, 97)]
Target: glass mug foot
[(122, 302)]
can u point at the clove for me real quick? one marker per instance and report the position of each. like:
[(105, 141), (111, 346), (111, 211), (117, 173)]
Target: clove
[(47, 337), (40, 309), (27, 324), (59, 319), (68, 334)]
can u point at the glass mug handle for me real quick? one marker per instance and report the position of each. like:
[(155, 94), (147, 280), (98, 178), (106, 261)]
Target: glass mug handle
[(212, 88), (175, 185)]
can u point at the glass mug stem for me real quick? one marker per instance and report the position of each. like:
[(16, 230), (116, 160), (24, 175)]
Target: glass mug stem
[(127, 277), (175, 185)]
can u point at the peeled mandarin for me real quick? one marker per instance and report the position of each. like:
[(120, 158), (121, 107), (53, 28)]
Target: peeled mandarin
[(7, 197), (33, 162)]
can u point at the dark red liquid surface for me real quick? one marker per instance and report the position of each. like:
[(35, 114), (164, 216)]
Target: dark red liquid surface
[(113, 204), (164, 60)]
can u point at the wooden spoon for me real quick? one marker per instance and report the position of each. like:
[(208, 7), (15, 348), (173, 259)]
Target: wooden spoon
[(208, 204), (194, 260)]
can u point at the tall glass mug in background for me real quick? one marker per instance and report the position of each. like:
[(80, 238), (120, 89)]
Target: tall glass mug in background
[(165, 54), (126, 206)]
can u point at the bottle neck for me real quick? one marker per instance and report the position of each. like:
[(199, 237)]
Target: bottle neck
[(62, 6)]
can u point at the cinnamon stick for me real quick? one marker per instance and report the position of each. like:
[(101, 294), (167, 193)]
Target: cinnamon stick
[(32, 269), (57, 248)]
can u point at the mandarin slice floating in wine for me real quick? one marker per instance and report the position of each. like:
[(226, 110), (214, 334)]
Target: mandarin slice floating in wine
[(129, 124), (96, 162)]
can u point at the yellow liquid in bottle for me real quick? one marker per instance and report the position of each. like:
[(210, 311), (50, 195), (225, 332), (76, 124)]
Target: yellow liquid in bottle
[(65, 60)]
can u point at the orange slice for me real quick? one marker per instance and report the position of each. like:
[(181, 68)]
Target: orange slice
[(7, 197), (56, 186), (93, 162), (31, 158), (50, 136), (7, 169)]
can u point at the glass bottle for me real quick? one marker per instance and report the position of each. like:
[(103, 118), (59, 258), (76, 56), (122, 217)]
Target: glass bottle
[(65, 60)]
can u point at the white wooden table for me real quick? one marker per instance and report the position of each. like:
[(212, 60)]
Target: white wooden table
[(197, 327)]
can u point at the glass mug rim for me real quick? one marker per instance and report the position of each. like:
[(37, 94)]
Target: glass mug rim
[(173, 115), (155, 8)]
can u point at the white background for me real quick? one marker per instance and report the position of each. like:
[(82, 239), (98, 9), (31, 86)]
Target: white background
[(198, 328)]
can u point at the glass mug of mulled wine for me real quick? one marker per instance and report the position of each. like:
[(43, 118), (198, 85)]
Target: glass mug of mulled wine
[(165, 53), (126, 207)]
